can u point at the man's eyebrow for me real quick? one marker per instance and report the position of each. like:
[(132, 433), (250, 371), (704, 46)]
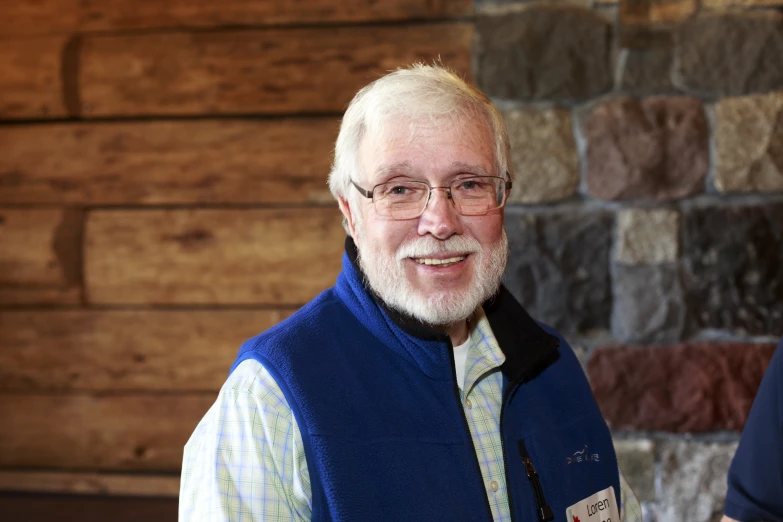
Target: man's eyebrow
[(469, 168), (400, 167)]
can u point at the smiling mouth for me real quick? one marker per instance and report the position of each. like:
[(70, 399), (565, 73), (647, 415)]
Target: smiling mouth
[(438, 262)]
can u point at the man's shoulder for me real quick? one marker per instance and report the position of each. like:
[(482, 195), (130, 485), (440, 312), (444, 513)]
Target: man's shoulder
[(252, 381), (565, 352)]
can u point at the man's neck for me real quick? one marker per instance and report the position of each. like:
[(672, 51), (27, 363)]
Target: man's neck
[(458, 332)]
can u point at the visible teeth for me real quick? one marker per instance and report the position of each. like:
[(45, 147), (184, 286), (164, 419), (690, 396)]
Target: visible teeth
[(430, 261)]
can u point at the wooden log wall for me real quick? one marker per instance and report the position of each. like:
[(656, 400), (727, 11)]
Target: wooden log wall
[(162, 198)]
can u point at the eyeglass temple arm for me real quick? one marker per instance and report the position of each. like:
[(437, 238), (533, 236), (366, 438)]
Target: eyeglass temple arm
[(366, 193)]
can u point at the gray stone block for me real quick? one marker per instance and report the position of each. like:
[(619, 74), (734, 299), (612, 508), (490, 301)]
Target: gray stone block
[(733, 258), (545, 52), (636, 459), (648, 304), (730, 54), (559, 267), (647, 71), (694, 480)]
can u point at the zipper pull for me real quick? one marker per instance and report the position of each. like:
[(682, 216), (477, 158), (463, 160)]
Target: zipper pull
[(542, 509)]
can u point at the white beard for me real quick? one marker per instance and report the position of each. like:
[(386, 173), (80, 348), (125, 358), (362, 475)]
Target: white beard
[(440, 308)]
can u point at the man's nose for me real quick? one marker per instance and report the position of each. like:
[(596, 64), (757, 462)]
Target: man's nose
[(440, 217)]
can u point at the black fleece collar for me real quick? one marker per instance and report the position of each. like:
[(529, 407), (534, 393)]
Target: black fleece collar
[(527, 347)]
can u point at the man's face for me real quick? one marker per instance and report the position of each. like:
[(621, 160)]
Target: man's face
[(397, 256)]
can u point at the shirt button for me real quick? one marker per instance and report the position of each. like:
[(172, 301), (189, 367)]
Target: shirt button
[(468, 403), (493, 485)]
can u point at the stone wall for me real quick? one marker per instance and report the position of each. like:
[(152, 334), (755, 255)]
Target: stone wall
[(646, 218)]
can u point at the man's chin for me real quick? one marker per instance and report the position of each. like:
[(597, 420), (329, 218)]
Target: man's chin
[(438, 308)]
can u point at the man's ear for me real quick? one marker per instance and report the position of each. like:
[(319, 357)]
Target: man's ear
[(345, 208)]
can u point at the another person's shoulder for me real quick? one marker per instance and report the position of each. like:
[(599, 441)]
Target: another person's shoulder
[(755, 481)]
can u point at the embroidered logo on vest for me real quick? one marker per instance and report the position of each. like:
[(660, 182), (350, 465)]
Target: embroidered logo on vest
[(582, 456)]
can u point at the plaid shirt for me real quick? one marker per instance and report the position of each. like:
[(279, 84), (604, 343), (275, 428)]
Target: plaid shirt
[(246, 462)]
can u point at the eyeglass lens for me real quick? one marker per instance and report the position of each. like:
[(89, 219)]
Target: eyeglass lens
[(471, 196)]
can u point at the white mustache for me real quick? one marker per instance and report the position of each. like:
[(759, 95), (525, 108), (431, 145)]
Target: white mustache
[(428, 246)]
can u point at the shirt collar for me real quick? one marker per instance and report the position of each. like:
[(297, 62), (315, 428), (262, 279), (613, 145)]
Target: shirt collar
[(484, 353)]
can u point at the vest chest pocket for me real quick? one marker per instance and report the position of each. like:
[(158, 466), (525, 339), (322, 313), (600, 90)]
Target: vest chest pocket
[(572, 461)]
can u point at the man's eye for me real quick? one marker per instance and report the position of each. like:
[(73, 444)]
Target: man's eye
[(399, 190), (468, 185)]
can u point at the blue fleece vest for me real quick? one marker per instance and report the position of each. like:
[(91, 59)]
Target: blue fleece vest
[(384, 433)]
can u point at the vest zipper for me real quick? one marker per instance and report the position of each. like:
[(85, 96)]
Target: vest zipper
[(506, 397), (467, 429), (542, 509)]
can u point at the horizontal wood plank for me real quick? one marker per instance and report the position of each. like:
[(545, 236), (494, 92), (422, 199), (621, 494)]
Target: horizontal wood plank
[(83, 432), (87, 483), (13, 296), (212, 256), (31, 83), (50, 507), (168, 162), (63, 16), (40, 255), (250, 72), (124, 350)]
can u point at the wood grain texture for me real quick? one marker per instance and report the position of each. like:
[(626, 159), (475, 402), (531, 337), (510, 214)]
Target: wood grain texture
[(91, 432), (269, 71), (168, 162), (50, 507), (213, 256), (656, 11), (645, 24), (64, 16), (31, 84), (124, 350), (13, 296), (85, 483), (40, 255)]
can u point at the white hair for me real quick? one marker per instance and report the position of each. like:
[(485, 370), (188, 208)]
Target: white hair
[(417, 92)]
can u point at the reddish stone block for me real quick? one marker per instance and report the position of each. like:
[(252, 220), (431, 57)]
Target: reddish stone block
[(681, 388), (656, 148)]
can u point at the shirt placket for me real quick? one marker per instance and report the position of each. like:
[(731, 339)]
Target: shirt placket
[(482, 400)]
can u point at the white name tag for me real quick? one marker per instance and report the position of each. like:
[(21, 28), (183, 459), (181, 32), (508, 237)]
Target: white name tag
[(599, 507)]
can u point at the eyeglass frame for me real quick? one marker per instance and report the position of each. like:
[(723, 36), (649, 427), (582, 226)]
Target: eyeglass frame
[(369, 194)]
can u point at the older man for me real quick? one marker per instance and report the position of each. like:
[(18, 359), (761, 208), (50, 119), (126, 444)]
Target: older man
[(417, 388)]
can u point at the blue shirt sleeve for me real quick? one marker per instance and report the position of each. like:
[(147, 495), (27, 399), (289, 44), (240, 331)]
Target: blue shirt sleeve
[(756, 474)]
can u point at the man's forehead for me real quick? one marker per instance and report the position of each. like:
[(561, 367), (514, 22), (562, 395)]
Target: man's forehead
[(384, 149), (403, 128)]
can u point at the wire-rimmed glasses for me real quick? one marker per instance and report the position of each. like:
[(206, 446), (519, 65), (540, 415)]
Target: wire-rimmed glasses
[(406, 199)]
